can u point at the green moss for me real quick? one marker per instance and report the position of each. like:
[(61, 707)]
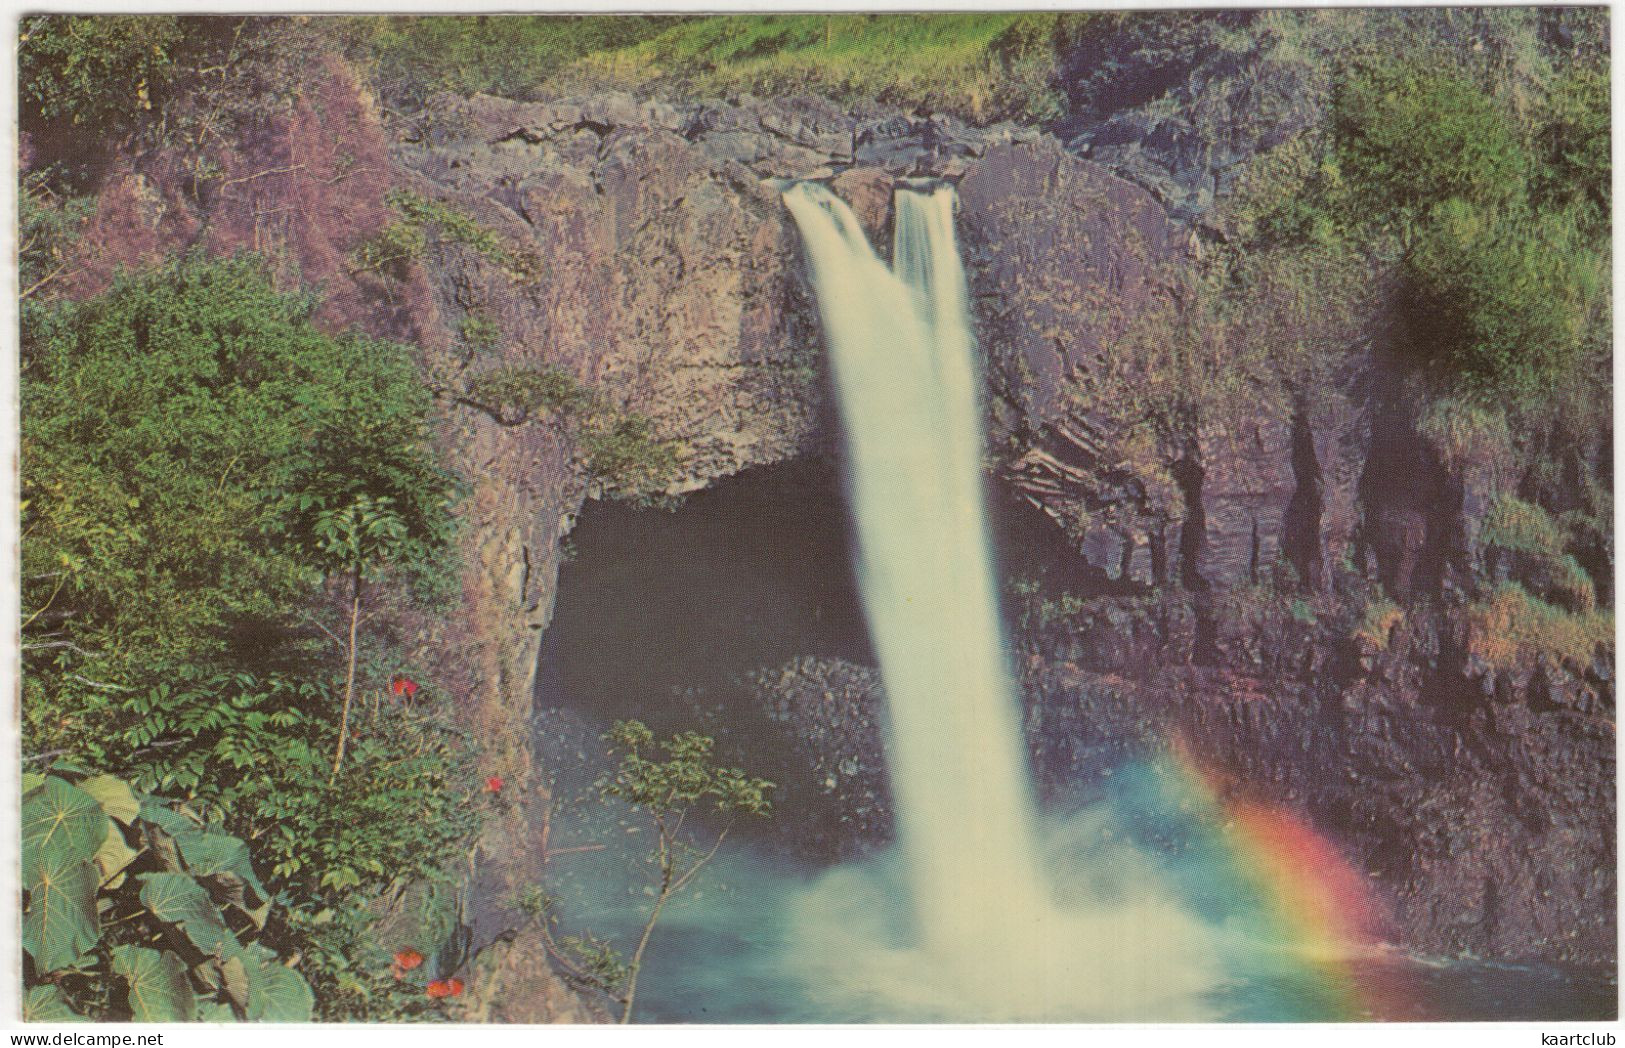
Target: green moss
[(1515, 525), (1510, 628), (1376, 624)]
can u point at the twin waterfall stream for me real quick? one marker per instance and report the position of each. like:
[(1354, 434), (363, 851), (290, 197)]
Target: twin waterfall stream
[(904, 363), (1136, 888), (990, 942)]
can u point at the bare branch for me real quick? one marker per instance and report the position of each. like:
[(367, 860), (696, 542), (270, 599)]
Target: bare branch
[(97, 683)]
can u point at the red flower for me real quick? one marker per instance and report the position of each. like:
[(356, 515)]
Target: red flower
[(494, 784), (404, 686), (405, 961), (445, 988)]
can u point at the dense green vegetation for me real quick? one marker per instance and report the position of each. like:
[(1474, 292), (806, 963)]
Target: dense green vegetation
[(138, 909), (983, 65), (199, 467), (1486, 211), (415, 57), (91, 85)]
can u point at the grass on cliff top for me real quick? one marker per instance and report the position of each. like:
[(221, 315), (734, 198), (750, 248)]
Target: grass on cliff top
[(981, 66)]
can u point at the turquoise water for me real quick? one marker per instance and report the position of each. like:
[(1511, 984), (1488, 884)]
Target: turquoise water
[(763, 938)]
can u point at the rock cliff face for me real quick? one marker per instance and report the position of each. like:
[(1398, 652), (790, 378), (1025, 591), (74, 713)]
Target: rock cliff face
[(661, 270), (1479, 810)]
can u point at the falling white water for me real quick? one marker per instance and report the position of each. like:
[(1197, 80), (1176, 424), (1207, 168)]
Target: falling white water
[(988, 941), (904, 365)]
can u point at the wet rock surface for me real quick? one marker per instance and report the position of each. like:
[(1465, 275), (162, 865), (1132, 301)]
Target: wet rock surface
[(1480, 822), (832, 711)]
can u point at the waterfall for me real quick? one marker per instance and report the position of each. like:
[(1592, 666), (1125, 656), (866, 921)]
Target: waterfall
[(904, 362)]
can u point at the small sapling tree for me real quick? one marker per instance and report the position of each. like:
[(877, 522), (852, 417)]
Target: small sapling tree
[(355, 539), (667, 792)]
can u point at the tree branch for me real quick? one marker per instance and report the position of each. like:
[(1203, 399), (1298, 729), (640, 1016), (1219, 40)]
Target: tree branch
[(98, 684)]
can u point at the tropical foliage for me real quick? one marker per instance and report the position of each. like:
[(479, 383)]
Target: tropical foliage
[(202, 471), (137, 908)]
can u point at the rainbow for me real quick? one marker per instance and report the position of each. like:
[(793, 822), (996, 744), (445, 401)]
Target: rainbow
[(1303, 910)]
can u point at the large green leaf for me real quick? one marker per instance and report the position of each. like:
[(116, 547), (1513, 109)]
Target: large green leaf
[(277, 994), (32, 780), (178, 899), (225, 858), (159, 992), (115, 797), (44, 1004), (61, 820), (171, 822), (216, 1012), (59, 925), (161, 828), (114, 854)]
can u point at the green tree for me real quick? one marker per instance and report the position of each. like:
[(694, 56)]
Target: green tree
[(670, 791), (356, 539), (88, 69), (197, 459), (183, 436)]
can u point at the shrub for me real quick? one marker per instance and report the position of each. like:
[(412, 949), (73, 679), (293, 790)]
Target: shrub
[(1573, 142), (94, 84), (392, 251), (47, 229), (455, 226), (1412, 135), (618, 448), (1464, 433), (626, 455), (1519, 526), (478, 333), (517, 394), (1510, 629), (1503, 302), (1536, 545)]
